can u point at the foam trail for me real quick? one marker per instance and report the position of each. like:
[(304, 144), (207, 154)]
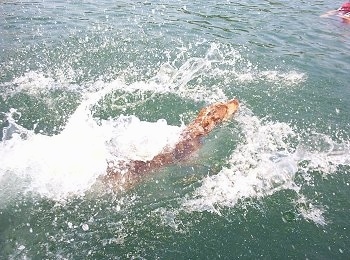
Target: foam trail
[(69, 163), (55, 166)]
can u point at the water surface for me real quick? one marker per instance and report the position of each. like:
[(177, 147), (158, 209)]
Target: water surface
[(85, 82)]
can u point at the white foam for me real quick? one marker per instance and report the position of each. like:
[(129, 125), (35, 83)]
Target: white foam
[(36, 82), (69, 163), (56, 166), (259, 166), (285, 78), (174, 76), (140, 140), (265, 162), (320, 152), (310, 211)]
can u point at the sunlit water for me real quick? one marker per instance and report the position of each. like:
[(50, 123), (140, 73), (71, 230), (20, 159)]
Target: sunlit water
[(86, 83)]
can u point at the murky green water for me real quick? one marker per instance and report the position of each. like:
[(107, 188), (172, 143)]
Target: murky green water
[(82, 82)]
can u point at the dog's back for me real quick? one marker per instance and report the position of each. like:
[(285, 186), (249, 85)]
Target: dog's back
[(190, 140)]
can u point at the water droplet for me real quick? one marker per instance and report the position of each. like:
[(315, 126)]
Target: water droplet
[(85, 227)]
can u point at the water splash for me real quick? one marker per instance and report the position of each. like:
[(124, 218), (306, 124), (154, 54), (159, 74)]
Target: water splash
[(310, 211), (134, 139), (68, 163), (266, 161), (55, 166), (259, 166)]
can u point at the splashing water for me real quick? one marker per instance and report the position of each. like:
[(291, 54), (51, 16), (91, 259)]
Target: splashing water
[(261, 165), (55, 166), (69, 162), (265, 162)]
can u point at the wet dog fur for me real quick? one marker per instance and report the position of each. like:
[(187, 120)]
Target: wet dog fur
[(125, 174)]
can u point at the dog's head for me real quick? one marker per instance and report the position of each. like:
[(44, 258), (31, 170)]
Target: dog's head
[(214, 114)]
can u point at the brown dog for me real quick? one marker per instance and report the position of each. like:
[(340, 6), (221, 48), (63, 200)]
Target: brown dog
[(126, 173)]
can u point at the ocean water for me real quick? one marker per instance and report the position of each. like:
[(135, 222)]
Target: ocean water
[(86, 82)]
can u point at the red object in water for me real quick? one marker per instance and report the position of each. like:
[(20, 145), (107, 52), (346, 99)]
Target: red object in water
[(345, 8)]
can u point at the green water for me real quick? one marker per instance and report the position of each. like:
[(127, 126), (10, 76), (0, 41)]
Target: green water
[(273, 183)]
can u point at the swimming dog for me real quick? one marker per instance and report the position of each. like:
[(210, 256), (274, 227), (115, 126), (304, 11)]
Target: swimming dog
[(125, 174)]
